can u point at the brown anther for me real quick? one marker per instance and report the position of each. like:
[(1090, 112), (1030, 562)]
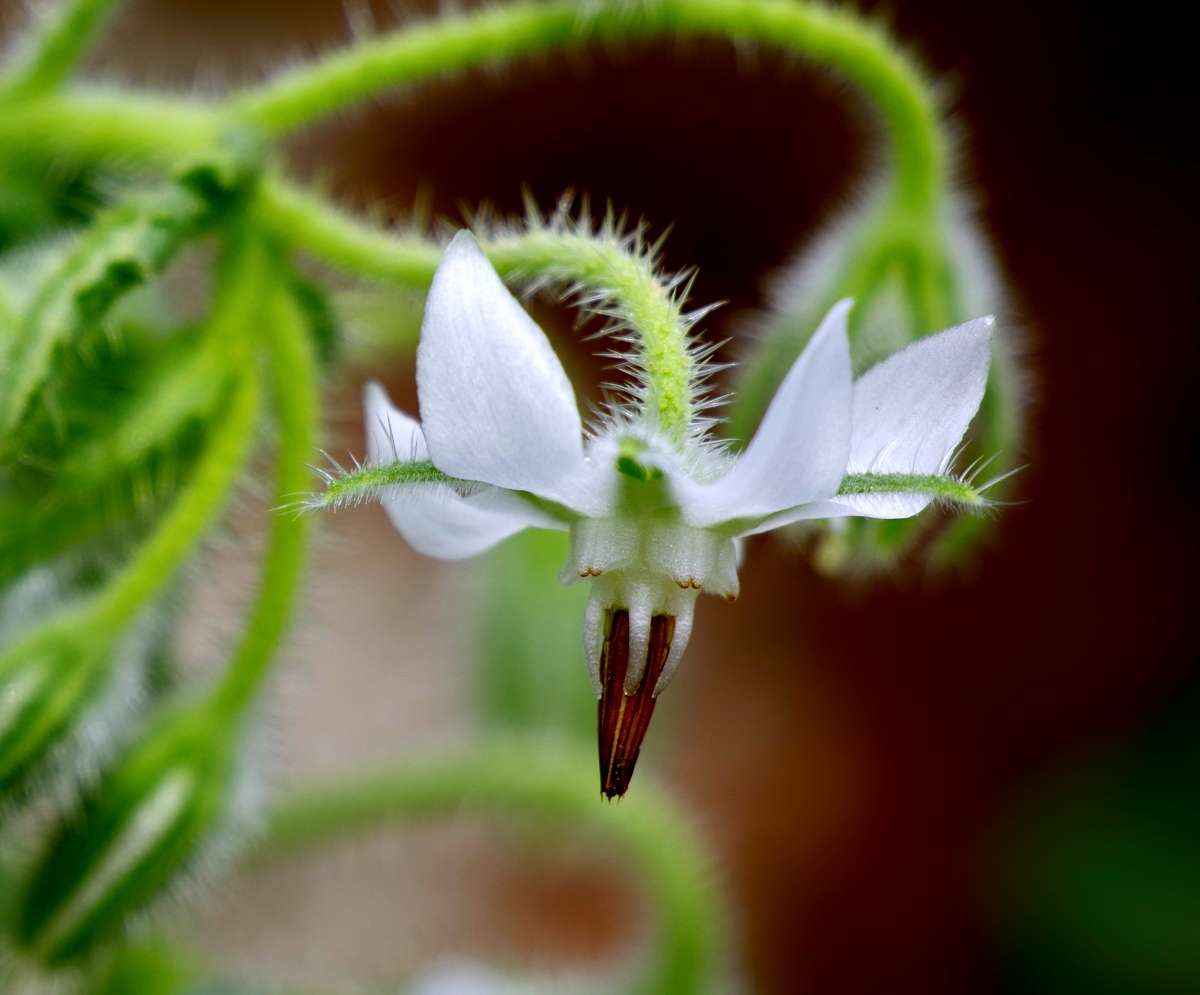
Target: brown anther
[(624, 718), (590, 572), (685, 583), (697, 584), (731, 597)]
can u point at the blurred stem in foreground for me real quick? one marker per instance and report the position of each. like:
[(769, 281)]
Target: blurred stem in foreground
[(546, 779)]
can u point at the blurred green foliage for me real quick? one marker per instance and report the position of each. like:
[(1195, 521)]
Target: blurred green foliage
[(531, 670), (1096, 882)]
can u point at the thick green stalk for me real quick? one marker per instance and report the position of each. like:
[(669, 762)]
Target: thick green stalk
[(294, 368), (57, 46), (553, 780)]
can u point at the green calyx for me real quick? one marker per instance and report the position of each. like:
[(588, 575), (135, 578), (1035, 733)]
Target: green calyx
[(371, 483), (630, 461), (946, 489)]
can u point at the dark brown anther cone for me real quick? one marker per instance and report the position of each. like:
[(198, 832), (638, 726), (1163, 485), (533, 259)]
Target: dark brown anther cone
[(623, 718)]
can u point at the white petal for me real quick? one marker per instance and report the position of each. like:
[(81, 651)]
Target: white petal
[(436, 520), (391, 434), (910, 413), (641, 611), (496, 405), (438, 523), (911, 410), (898, 505), (862, 505), (800, 450), (804, 512)]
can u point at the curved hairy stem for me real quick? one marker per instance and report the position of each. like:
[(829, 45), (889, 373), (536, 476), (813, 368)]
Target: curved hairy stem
[(103, 125), (836, 37), (218, 470), (192, 514), (294, 369), (548, 780), (57, 45), (613, 273)]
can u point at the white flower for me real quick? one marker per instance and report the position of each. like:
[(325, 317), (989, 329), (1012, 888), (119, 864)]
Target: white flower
[(653, 519)]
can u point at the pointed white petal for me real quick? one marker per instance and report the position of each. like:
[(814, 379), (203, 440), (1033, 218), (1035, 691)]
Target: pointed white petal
[(880, 505), (911, 410), (435, 520), (496, 405), (804, 512), (799, 452), (864, 505), (910, 413), (438, 523)]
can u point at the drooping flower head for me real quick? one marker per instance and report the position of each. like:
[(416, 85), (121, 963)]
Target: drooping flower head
[(654, 516)]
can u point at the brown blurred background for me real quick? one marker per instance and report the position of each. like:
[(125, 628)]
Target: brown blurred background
[(854, 755)]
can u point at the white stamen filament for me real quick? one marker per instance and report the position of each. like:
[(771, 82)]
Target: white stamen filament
[(593, 614), (684, 613), (641, 608)]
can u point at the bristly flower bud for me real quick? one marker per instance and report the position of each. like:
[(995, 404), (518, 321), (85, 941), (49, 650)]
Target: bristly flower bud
[(624, 714), (132, 834), (46, 681)]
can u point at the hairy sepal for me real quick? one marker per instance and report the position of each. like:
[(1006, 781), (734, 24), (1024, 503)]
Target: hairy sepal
[(947, 490), (377, 481)]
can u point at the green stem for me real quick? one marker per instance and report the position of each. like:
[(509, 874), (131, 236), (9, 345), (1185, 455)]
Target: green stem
[(837, 37), (214, 478), (98, 125), (58, 45), (191, 515), (542, 781), (601, 263), (294, 370), (299, 217)]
